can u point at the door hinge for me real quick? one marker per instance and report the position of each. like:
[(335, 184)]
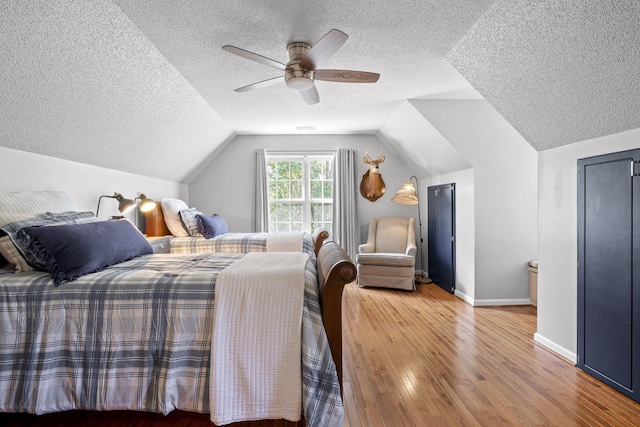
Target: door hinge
[(635, 168)]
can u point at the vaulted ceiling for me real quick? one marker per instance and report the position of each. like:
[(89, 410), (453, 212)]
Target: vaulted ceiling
[(144, 86)]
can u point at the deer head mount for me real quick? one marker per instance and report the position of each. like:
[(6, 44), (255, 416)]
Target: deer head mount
[(372, 186)]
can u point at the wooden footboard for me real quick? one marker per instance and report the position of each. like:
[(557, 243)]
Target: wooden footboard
[(319, 235), (335, 270)]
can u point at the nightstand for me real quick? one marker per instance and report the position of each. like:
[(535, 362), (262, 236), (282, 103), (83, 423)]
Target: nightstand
[(160, 244)]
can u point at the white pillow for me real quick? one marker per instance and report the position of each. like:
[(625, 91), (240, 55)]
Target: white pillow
[(171, 209)]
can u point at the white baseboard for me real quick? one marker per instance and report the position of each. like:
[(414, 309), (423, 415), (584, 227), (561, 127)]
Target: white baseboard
[(466, 298), (569, 355), (491, 302)]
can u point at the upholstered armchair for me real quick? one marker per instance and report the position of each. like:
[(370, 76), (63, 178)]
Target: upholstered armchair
[(388, 258)]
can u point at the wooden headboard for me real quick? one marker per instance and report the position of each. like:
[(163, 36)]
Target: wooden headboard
[(155, 222)]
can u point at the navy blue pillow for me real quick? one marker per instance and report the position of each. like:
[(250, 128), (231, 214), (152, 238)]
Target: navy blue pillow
[(47, 218), (212, 226), (72, 250)]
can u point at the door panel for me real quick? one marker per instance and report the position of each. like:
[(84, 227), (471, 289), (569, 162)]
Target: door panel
[(607, 283), (441, 239)]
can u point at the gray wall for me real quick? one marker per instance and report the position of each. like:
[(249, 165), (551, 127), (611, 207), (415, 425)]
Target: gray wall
[(505, 195), (226, 185), (22, 171), (558, 206)]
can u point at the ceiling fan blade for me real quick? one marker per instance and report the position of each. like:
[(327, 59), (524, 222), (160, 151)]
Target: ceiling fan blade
[(255, 57), (346, 76), (310, 95), (261, 84), (323, 49)]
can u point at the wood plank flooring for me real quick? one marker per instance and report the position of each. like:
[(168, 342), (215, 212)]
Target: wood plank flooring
[(427, 358)]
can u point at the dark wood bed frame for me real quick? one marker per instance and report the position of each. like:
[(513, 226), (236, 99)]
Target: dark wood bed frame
[(157, 227), (335, 270)]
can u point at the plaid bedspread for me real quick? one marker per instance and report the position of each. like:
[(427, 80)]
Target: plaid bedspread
[(240, 243), (136, 336)]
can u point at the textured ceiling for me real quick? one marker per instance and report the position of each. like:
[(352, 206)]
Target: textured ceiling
[(80, 81), (405, 42), (558, 71), (144, 86)]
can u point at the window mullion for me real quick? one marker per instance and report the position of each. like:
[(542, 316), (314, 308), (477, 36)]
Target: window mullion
[(306, 215)]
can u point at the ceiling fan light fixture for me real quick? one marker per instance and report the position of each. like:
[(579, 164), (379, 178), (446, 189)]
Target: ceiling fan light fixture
[(301, 71), (297, 77), (299, 83)]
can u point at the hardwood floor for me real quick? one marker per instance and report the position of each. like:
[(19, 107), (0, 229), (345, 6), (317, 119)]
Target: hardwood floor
[(427, 358)]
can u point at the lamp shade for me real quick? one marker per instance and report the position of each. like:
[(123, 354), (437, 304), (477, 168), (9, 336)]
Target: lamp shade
[(406, 195), (146, 204), (124, 205)]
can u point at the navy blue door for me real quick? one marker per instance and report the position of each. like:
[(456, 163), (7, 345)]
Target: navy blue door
[(441, 239), (609, 269)]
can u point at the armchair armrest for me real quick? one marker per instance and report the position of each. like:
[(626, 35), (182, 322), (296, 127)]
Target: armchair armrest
[(411, 250), (366, 248)]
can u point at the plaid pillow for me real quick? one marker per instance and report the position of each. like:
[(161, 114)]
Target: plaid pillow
[(190, 222)]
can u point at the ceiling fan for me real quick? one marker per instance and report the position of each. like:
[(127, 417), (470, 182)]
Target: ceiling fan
[(301, 70)]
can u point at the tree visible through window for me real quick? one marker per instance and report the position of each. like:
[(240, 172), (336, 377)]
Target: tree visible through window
[(300, 192)]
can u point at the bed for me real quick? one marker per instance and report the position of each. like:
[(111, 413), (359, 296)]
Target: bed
[(138, 334), (172, 217)]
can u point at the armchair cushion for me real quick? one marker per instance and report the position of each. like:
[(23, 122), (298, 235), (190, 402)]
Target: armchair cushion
[(366, 248), (392, 234), (386, 259)]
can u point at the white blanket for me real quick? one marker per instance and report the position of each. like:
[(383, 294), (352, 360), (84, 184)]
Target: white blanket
[(285, 241), (256, 343)]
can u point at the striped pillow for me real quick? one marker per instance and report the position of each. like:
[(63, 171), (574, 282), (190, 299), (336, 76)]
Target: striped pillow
[(190, 222), (18, 206), (10, 253)]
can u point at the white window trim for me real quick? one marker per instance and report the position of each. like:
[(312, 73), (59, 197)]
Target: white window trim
[(305, 156)]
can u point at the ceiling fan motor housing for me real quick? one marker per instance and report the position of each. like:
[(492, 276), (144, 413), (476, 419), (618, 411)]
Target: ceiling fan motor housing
[(295, 76)]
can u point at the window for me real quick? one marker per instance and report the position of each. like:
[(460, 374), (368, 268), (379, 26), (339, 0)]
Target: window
[(300, 192)]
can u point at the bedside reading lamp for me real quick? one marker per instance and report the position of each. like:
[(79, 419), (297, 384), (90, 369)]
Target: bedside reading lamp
[(146, 204), (407, 195), (124, 205)]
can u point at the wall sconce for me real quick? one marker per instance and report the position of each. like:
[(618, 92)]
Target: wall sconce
[(146, 204), (407, 195), (124, 205)]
